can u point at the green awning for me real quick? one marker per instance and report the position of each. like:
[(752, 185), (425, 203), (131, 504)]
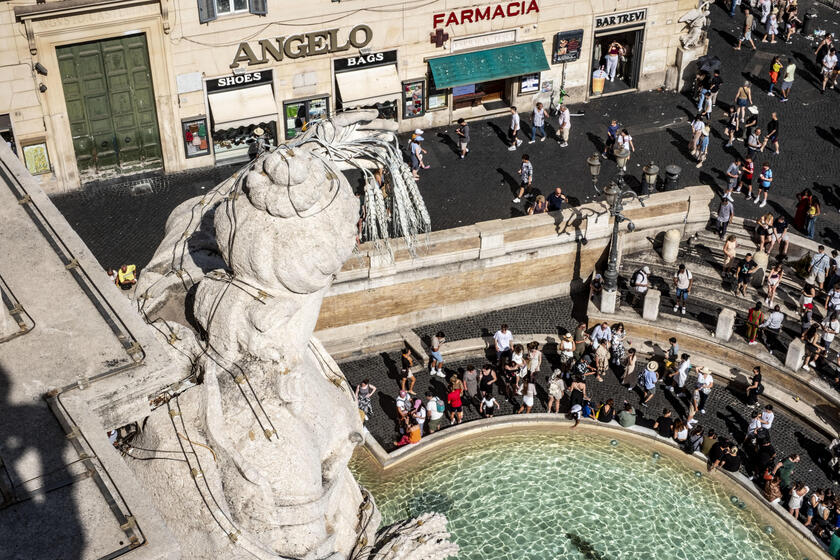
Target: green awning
[(491, 64)]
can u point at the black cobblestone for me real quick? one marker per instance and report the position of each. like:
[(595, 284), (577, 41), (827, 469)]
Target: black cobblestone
[(726, 411), (552, 316)]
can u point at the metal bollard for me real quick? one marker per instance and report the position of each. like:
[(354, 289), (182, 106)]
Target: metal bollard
[(672, 177)]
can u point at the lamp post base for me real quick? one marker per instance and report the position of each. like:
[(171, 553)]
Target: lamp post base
[(608, 302)]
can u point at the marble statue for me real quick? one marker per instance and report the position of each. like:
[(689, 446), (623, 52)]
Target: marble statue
[(696, 20), (260, 432)]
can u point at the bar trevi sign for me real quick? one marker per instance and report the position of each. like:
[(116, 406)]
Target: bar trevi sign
[(301, 45), (623, 18)]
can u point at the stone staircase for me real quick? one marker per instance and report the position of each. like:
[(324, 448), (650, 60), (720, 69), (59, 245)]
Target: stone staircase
[(711, 293)]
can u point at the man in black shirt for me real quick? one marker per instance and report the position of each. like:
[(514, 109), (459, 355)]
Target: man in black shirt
[(765, 457), (556, 199), (772, 133), (664, 425), (717, 452)]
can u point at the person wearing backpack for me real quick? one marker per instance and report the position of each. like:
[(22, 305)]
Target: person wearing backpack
[(639, 282), (435, 410)]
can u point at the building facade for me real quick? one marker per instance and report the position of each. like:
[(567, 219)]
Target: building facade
[(91, 89)]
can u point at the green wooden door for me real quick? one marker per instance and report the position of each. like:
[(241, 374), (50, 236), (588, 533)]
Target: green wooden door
[(110, 104)]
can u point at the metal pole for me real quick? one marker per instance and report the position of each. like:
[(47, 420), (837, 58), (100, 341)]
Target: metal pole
[(611, 275)]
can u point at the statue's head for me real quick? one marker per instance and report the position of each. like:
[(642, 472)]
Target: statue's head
[(295, 225)]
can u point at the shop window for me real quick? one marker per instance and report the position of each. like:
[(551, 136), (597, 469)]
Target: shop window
[(196, 141), (36, 158), (414, 93), (208, 10), (436, 99), (298, 114), (529, 83)]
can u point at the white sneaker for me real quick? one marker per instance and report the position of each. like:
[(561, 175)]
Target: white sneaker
[(727, 196), (531, 141), (512, 149), (702, 411), (682, 310), (770, 93), (755, 201), (812, 363), (517, 200), (542, 139), (564, 144), (676, 308), (518, 142), (805, 367), (763, 204)]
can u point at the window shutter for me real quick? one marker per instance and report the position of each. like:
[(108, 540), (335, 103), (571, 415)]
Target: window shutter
[(258, 7), (206, 10)]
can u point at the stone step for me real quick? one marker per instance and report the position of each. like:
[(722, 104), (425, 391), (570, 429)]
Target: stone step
[(704, 276)]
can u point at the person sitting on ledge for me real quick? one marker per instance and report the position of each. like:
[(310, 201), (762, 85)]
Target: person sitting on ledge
[(412, 436), (627, 417), (664, 425), (126, 277)]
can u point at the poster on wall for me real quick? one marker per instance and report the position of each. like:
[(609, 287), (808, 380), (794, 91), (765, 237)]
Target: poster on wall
[(529, 83), (36, 158), (567, 46), (414, 98), (195, 137)]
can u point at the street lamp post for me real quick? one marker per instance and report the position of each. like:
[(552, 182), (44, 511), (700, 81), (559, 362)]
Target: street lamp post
[(614, 195)]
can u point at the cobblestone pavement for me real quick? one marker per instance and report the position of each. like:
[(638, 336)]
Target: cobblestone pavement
[(726, 411), (552, 316), (118, 227)]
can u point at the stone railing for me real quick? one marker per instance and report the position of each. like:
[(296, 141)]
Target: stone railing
[(492, 264)]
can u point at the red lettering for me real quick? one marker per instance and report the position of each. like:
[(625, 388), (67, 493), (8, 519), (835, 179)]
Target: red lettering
[(466, 16), (533, 7), (498, 12), (452, 20), (510, 11), (437, 19), (480, 16)]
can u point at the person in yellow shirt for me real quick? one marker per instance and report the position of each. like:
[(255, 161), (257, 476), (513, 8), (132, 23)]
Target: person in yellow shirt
[(126, 276)]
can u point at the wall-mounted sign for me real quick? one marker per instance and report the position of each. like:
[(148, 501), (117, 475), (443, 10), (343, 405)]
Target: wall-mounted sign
[(485, 40), (365, 61), (485, 13), (195, 137), (240, 80), (414, 98), (36, 158), (302, 45), (567, 46), (529, 83), (611, 20)]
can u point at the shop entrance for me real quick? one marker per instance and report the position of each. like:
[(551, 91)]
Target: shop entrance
[(627, 69), (111, 104), (492, 95)]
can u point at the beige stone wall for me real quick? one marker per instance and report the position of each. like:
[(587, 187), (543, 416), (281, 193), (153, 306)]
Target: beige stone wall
[(179, 44), (492, 264)]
